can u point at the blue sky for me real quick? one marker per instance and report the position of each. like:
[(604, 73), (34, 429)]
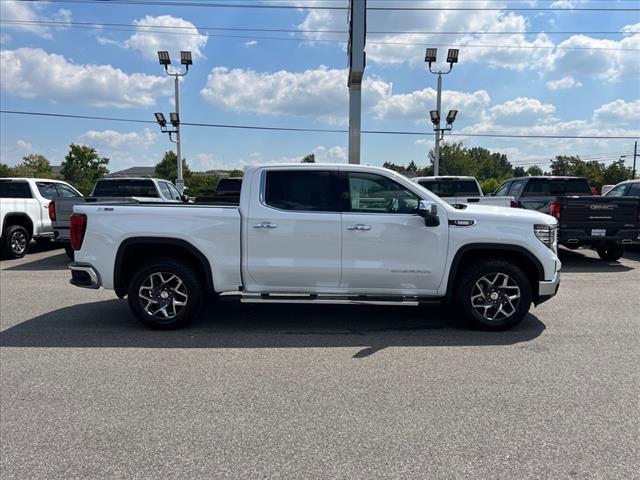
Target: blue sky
[(566, 84)]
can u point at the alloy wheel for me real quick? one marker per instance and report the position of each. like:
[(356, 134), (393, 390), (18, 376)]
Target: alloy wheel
[(495, 296), (18, 243), (163, 295)]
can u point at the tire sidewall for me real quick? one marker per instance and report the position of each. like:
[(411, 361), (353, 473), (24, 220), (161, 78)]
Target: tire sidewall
[(610, 253), (8, 237), (190, 280), (477, 271)]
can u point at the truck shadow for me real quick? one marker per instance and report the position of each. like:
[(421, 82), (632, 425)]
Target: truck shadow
[(52, 262), (577, 262), (229, 324)]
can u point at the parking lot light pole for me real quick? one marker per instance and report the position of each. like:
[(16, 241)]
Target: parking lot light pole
[(165, 61), (430, 58)]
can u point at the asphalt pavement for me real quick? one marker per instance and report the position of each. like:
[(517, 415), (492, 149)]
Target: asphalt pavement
[(293, 392)]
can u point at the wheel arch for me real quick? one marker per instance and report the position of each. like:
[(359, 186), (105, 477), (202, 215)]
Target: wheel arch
[(480, 251), (135, 251), (18, 218)]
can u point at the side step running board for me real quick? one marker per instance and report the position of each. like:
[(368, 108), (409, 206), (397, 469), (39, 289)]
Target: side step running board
[(336, 300)]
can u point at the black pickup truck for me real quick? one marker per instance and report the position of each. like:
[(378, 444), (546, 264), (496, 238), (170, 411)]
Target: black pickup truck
[(605, 224)]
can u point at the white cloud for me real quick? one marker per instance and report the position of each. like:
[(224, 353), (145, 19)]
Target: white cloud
[(521, 111), (30, 12), (34, 73), (618, 112), (119, 140), (416, 105), (563, 83), (165, 32), (12, 154), (321, 93), (250, 43)]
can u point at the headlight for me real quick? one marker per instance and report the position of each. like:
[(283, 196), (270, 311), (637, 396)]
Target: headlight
[(547, 234)]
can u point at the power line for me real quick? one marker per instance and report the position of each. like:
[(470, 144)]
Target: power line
[(318, 130), (142, 30), (327, 7), (62, 23)]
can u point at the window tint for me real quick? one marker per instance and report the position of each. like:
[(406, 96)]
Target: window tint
[(65, 191), (618, 191), (47, 190), (10, 189), (300, 190), (229, 186), (439, 187), (164, 189), (467, 187), (502, 191), (516, 188), (540, 187), (634, 191), (125, 188), (372, 193)]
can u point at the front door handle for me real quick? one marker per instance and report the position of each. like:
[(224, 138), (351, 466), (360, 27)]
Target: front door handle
[(359, 226), (265, 225)]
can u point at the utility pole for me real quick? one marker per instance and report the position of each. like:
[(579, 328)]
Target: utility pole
[(430, 57), (357, 36), (635, 155), (165, 61)]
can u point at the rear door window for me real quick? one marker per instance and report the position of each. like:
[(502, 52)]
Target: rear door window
[(634, 191), (309, 191), (516, 188), (66, 192), (11, 189), (502, 191), (48, 190)]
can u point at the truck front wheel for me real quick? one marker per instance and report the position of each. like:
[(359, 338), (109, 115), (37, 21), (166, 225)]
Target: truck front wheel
[(164, 293), (494, 294), (16, 240), (610, 253)]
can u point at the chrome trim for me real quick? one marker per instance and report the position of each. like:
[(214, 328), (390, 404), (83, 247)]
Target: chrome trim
[(93, 275), (549, 288)]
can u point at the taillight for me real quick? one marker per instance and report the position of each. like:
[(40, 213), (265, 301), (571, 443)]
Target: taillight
[(554, 210), (514, 204), (52, 211), (77, 227)]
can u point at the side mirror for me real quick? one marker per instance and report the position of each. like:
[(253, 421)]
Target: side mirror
[(429, 211), (184, 198)]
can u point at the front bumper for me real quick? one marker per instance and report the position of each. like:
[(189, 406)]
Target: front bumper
[(84, 275), (548, 289)]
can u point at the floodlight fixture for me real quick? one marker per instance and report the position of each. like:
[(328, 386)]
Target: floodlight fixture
[(164, 58), (174, 118), (451, 116), (430, 55), (435, 117), (185, 58), (452, 56), (160, 119)]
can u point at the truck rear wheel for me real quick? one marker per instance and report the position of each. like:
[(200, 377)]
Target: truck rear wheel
[(15, 242), (164, 294), (494, 294), (610, 253)]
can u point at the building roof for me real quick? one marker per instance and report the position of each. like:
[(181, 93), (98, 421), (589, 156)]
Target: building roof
[(133, 172)]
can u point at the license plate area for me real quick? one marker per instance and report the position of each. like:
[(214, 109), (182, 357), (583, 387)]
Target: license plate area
[(599, 232)]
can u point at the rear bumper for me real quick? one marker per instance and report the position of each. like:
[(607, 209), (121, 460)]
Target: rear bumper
[(548, 289), (579, 237), (84, 275)]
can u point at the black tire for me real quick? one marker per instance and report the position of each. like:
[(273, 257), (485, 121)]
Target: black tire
[(611, 253), (15, 241), (69, 251), (148, 309), (493, 300)]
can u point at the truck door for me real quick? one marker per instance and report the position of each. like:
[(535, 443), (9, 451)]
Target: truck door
[(293, 233), (386, 246)]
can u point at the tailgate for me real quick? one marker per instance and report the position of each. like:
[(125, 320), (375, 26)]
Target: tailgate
[(599, 210)]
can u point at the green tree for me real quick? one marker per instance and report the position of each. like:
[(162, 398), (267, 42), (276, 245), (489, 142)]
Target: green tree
[(489, 185), (535, 171), (34, 165), (519, 172), (167, 168), (6, 171), (311, 158), (236, 173), (616, 173), (201, 185), (83, 166)]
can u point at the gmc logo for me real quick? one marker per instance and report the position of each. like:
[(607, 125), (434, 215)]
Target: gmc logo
[(601, 207)]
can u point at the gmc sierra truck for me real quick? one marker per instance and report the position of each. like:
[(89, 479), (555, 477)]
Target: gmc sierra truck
[(606, 224), (319, 233)]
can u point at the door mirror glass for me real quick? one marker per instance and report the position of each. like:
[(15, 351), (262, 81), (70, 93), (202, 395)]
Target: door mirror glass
[(429, 211)]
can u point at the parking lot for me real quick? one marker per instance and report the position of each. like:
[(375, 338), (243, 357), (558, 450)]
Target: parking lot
[(260, 391)]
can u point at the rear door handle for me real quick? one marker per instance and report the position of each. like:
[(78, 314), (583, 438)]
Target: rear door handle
[(359, 226), (265, 225)]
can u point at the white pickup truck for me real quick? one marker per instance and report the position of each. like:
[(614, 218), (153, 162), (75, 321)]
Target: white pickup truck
[(319, 233), (24, 211), (461, 191)]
